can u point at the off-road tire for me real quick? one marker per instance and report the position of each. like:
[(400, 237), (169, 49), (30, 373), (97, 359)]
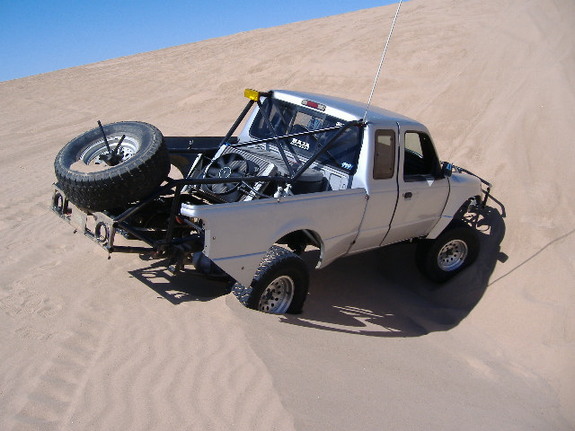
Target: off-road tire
[(144, 165), (450, 253), (280, 270)]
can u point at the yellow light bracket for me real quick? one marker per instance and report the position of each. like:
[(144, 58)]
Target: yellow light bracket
[(252, 94)]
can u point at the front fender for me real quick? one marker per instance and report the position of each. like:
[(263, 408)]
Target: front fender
[(462, 187)]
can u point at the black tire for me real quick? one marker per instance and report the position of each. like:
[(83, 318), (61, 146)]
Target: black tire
[(450, 253), (279, 286), (90, 183)]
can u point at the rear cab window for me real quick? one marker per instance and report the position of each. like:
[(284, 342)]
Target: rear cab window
[(286, 118)]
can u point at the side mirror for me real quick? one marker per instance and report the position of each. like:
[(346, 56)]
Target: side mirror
[(446, 169)]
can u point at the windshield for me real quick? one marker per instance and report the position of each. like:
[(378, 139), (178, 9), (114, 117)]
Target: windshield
[(286, 118)]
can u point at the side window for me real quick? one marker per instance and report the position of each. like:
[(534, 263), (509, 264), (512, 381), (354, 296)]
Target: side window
[(420, 160), (384, 161)]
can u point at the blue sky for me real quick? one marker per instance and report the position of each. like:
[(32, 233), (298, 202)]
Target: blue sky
[(38, 36)]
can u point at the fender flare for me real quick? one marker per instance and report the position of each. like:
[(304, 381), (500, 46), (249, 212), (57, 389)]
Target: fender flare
[(448, 215)]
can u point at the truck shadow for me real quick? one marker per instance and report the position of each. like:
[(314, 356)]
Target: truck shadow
[(184, 287), (383, 294), (379, 293)]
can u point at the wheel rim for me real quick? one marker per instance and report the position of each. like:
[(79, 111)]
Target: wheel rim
[(452, 255), (277, 296), (93, 155)]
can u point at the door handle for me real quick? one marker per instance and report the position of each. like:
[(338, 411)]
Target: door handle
[(408, 195)]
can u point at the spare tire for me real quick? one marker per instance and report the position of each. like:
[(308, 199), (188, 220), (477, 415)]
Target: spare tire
[(141, 164)]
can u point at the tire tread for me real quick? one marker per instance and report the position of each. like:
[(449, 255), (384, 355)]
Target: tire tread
[(274, 258)]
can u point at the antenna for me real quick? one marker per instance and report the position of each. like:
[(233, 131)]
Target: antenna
[(381, 61)]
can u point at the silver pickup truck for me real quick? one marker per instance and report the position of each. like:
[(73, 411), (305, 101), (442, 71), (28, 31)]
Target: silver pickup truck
[(306, 172)]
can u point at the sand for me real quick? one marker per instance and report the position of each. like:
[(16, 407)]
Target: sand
[(89, 343)]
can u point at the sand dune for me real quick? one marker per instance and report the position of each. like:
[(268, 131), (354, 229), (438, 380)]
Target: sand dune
[(92, 343)]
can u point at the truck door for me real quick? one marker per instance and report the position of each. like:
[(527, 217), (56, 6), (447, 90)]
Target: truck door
[(382, 191), (423, 191)]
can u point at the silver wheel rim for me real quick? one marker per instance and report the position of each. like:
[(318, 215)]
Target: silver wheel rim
[(277, 296), (452, 255), (93, 154)]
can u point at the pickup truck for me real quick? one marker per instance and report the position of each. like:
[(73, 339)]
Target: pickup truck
[(305, 172)]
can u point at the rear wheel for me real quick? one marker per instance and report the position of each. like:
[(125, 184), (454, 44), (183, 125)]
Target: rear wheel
[(279, 286), (447, 255)]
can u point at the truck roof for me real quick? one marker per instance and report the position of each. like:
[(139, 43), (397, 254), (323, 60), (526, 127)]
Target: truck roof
[(347, 109)]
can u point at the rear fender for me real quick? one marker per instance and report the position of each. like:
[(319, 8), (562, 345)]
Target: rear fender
[(239, 234)]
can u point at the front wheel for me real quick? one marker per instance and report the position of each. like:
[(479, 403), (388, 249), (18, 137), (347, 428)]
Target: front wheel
[(279, 286), (447, 255)]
